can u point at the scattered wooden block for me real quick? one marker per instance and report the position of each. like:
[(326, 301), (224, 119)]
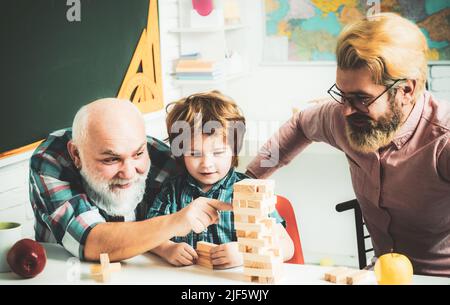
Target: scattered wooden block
[(102, 272), (113, 267), (336, 273), (356, 277)]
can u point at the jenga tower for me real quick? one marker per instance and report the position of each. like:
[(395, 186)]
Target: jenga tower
[(253, 200)]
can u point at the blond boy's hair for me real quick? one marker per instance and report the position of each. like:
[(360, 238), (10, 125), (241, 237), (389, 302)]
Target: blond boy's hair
[(390, 46), (211, 106)]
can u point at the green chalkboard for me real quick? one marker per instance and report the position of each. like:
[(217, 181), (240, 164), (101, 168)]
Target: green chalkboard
[(50, 67)]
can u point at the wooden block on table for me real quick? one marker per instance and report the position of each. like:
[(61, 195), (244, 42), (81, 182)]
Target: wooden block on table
[(113, 267), (338, 275), (205, 246), (356, 277), (104, 260)]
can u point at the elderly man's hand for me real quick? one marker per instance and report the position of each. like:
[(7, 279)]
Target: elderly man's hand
[(199, 214)]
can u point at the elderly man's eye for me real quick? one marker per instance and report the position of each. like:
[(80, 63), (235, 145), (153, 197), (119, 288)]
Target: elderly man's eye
[(140, 153), (110, 160)]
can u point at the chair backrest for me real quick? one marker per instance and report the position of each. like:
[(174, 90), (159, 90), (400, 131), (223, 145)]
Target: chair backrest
[(286, 211), (359, 226)]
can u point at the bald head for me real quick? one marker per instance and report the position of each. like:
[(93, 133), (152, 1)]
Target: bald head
[(107, 117), (109, 148)]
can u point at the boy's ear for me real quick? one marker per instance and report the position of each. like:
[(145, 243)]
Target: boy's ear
[(74, 154)]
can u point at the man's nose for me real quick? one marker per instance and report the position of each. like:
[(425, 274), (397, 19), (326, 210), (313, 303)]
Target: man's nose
[(348, 110), (128, 170)]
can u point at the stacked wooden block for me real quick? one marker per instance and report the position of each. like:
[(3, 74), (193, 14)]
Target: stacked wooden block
[(253, 201), (204, 254)]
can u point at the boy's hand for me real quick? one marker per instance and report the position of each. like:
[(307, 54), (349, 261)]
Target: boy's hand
[(179, 254), (226, 256)]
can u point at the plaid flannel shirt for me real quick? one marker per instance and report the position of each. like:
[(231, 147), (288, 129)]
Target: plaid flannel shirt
[(181, 190), (63, 212)]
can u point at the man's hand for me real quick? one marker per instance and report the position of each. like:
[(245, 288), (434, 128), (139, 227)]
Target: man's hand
[(226, 256), (199, 214), (179, 254)]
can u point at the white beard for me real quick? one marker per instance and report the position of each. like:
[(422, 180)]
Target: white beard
[(114, 202)]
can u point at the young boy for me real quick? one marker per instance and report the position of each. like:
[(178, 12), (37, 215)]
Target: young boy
[(206, 132)]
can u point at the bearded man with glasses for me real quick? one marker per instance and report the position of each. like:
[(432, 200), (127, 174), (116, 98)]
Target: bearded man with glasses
[(395, 135)]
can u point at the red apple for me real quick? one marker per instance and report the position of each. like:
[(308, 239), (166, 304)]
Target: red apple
[(27, 258)]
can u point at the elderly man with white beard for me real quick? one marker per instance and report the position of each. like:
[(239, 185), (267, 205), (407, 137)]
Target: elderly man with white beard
[(91, 187)]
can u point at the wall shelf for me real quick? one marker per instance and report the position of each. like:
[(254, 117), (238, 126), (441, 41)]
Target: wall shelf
[(209, 29), (209, 82)]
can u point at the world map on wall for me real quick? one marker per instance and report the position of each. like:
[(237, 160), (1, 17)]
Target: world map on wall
[(307, 30)]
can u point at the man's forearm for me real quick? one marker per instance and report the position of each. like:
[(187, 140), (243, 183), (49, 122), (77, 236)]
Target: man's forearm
[(128, 239)]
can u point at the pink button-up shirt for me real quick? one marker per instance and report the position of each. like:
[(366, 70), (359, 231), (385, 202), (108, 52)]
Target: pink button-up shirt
[(403, 189)]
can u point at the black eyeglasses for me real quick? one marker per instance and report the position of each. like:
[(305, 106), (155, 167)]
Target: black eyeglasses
[(360, 103)]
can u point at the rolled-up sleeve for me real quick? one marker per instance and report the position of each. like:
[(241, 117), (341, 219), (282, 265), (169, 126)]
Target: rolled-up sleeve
[(62, 213)]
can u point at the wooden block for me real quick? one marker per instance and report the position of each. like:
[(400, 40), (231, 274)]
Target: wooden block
[(266, 185), (104, 260), (263, 258), (105, 273), (206, 265), (337, 275), (274, 263), (236, 203), (268, 202), (262, 272), (252, 196), (263, 212), (242, 248), (243, 187), (254, 219), (269, 280), (251, 227), (356, 277), (205, 246), (113, 267), (203, 253), (253, 242), (255, 185)]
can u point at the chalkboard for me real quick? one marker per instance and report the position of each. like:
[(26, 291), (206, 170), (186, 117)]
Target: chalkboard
[(50, 67)]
